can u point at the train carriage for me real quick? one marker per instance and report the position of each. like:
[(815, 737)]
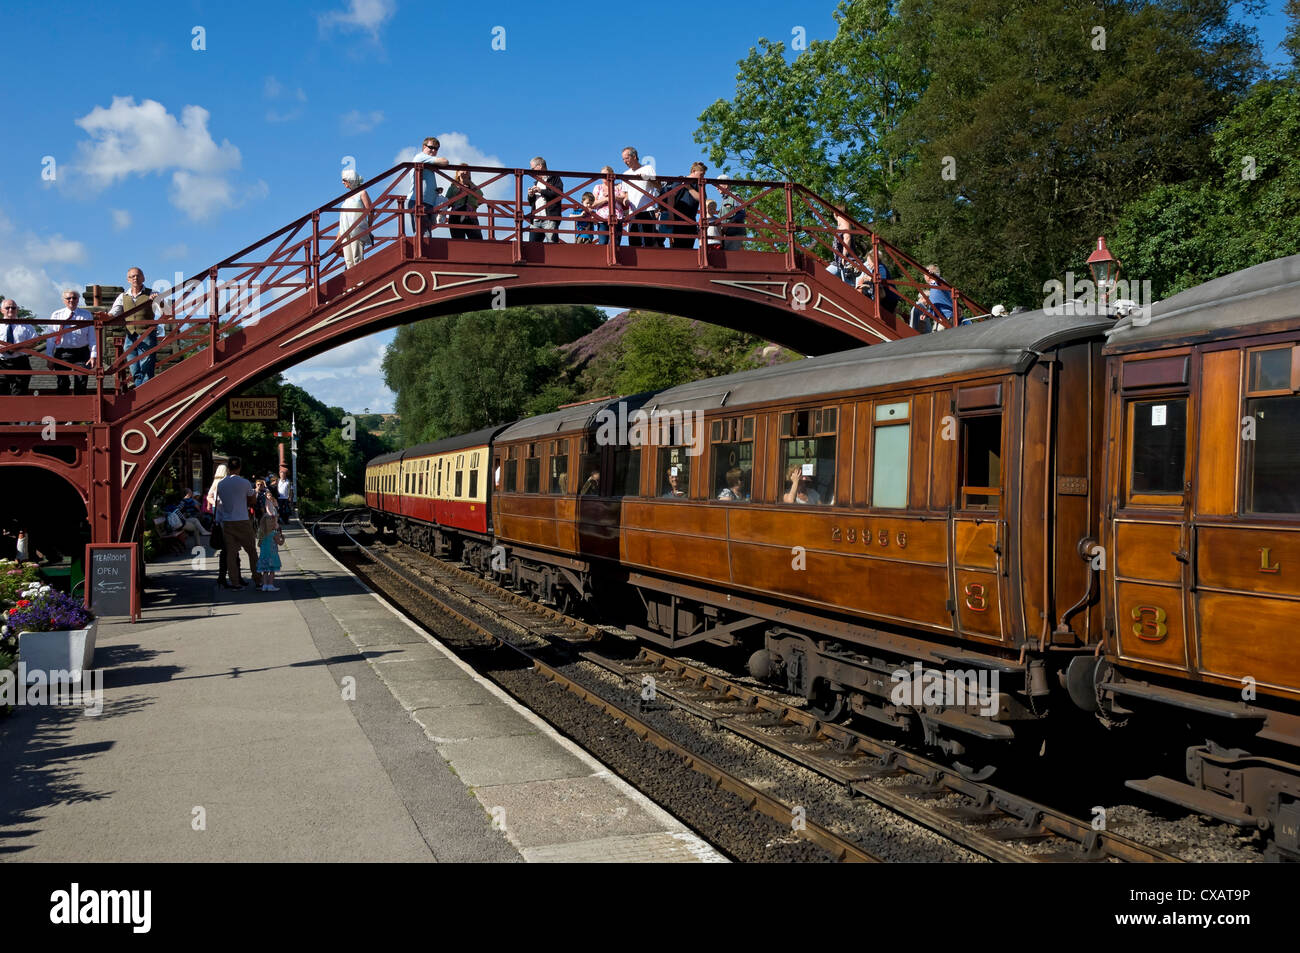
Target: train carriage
[(1203, 527)]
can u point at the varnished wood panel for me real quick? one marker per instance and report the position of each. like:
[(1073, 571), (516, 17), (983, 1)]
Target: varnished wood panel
[(1155, 372), (923, 438), (974, 543), (693, 518), (1218, 456), (861, 454), (1146, 551), (891, 537), (875, 587), (1078, 458), (1157, 611), (1264, 560), (1026, 514), (698, 557), (528, 531), (1251, 636), (978, 608), (943, 460)]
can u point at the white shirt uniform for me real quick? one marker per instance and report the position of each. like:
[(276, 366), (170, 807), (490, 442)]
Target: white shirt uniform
[(73, 337), (641, 193)]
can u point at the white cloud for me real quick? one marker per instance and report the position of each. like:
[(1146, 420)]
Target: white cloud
[(121, 219), (24, 275), (367, 16), (129, 139), (350, 376), (356, 121), (179, 250)]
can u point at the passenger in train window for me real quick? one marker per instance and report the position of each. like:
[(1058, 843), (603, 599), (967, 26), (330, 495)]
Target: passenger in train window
[(734, 491), (801, 488), (591, 486), (675, 484)]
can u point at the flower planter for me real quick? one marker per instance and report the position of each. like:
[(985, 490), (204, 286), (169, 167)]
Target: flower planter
[(67, 650)]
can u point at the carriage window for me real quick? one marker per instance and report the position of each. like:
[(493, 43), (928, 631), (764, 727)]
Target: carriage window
[(511, 471), (674, 475), (473, 482), (893, 439), (1157, 447), (589, 467), (732, 459), (532, 475), (808, 456), (1273, 457), (460, 481), (1271, 370), (627, 471), (981, 449), (559, 477)]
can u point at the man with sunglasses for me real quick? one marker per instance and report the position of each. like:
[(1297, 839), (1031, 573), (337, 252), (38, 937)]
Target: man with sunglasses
[(428, 155)]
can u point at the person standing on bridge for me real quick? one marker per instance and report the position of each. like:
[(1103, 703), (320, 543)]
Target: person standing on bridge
[(74, 345), (10, 359), (610, 210), (465, 199), (732, 213), (235, 499), (641, 229), (141, 332), (428, 154), (544, 197), (355, 223)]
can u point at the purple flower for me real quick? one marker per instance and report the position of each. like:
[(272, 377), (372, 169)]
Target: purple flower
[(50, 612)]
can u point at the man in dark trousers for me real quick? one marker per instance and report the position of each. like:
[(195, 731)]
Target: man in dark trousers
[(235, 497)]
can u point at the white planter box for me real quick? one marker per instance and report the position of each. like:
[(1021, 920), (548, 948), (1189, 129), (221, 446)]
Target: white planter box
[(68, 650)]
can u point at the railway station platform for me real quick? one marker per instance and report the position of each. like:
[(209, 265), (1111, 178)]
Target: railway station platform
[(311, 724)]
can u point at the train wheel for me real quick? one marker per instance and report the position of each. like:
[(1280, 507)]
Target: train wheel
[(826, 704)]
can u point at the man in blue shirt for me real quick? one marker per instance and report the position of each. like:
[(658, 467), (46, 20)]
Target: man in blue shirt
[(940, 302), (429, 181)]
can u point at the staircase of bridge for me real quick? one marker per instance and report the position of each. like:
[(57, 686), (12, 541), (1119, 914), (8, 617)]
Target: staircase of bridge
[(422, 249)]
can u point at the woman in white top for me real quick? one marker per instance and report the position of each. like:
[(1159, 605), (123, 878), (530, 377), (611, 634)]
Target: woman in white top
[(211, 498), (354, 236)]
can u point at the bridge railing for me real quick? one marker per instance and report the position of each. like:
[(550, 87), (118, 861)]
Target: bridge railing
[(293, 265)]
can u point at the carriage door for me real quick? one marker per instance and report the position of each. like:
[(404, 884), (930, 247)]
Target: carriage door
[(1248, 517), (978, 527), (1150, 529)]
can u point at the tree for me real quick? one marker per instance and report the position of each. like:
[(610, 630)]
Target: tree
[(822, 119), (1039, 121), (1246, 211), (462, 373)]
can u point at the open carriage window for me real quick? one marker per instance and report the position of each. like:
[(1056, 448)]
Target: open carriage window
[(532, 470), (731, 442), (589, 467), (808, 456), (981, 468), (559, 476)]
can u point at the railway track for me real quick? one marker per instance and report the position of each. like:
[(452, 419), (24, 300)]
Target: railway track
[(977, 816)]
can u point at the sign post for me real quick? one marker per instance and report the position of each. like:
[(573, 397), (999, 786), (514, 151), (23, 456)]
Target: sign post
[(253, 409), (111, 579)]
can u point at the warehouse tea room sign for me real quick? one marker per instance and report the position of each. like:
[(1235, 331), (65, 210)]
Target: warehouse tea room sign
[(253, 409)]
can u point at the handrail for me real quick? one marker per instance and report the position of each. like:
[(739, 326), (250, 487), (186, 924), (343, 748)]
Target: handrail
[(296, 261)]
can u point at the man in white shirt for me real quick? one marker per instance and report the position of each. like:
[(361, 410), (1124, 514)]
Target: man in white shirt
[(644, 221), (74, 345), (10, 360), (235, 496), (141, 333), (428, 154), (284, 490)]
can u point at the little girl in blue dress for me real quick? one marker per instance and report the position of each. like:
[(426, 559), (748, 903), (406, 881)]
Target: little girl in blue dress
[(268, 550)]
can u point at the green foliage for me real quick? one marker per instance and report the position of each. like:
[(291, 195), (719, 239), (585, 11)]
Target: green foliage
[(14, 578), (462, 373), (1044, 136), (660, 350), (1247, 210)]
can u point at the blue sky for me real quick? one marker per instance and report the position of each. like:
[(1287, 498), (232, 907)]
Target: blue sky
[(171, 158)]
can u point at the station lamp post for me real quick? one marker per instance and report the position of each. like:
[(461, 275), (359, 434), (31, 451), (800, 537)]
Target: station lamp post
[(1105, 270)]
